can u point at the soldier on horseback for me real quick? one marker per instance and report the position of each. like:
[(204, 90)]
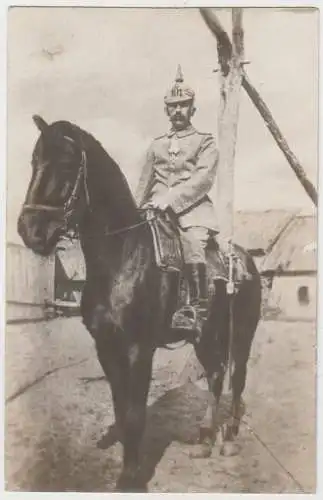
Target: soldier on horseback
[(178, 175)]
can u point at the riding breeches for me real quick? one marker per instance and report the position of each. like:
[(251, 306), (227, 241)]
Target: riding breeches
[(194, 240)]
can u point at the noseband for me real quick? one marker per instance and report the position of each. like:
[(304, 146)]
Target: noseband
[(69, 206)]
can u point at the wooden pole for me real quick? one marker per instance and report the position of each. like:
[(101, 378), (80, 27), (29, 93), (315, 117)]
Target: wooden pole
[(224, 53), (231, 76)]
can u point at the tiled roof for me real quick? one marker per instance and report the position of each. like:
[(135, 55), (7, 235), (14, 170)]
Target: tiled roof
[(258, 231), (295, 250)]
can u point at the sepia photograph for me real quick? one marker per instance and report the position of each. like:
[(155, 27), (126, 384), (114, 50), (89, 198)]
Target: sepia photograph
[(161, 250)]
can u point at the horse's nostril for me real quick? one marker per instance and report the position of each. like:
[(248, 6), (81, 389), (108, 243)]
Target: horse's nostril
[(37, 233)]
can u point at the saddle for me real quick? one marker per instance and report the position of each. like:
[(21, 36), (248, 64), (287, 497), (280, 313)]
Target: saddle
[(169, 255)]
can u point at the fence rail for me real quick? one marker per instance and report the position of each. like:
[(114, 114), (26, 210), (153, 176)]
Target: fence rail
[(29, 282)]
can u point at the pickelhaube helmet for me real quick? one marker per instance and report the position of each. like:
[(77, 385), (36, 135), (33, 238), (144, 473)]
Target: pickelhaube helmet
[(179, 91)]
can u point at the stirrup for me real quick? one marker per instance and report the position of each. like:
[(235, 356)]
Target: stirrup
[(190, 318), (185, 318)]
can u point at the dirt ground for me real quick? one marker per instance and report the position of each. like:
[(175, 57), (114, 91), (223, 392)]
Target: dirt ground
[(58, 410)]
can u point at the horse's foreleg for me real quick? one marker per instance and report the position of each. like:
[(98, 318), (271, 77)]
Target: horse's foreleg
[(115, 368), (140, 367)]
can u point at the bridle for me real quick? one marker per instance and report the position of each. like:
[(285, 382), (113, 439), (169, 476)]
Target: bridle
[(68, 209)]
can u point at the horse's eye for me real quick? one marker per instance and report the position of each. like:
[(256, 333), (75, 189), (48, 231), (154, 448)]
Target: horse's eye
[(69, 149)]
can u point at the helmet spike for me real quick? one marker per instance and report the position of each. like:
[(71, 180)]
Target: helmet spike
[(179, 75)]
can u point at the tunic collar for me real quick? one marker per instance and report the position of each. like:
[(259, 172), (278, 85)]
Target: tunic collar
[(181, 133)]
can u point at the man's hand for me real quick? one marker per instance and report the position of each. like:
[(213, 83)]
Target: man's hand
[(158, 203)]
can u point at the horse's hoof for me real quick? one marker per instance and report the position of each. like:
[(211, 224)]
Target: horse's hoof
[(230, 432), (235, 430), (126, 485), (202, 450), (112, 436), (230, 449), (133, 489)]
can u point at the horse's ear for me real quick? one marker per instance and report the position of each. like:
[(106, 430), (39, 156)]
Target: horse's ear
[(40, 123)]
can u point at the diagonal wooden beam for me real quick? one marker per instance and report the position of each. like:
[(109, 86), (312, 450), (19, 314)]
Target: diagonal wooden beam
[(224, 47)]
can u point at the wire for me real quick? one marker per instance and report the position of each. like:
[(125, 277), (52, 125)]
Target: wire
[(281, 465)]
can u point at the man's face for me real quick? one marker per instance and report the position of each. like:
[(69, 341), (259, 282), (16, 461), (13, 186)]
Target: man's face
[(180, 114)]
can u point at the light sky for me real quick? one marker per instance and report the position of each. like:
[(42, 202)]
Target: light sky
[(113, 66)]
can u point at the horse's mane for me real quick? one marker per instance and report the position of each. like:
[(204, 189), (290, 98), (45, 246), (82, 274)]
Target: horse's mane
[(111, 181), (87, 141), (84, 138)]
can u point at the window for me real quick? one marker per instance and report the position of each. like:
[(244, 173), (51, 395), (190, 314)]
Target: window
[(303, 295)]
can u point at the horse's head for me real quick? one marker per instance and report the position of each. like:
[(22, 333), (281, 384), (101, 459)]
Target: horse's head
[(56, 189)]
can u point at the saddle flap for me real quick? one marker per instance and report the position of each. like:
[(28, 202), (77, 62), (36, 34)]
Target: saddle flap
[(167, 246)]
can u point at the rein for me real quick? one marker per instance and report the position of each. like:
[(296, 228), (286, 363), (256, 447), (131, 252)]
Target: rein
[(42, 208), (128, 228)]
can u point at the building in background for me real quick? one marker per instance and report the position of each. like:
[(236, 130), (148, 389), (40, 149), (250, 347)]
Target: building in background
[(282, 243), (258, 232), (292, 263)]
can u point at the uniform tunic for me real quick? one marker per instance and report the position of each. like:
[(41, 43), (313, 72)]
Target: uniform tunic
[(180, 168)]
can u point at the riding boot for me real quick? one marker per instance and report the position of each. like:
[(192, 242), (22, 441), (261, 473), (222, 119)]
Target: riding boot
[(192, 317), (203, 298)]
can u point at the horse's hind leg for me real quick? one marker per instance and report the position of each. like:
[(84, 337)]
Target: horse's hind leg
[(238, 384), (231, 429), (213, 361), (209, 426)]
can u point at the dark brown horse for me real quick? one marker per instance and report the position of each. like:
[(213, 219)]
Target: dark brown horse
[(127, 301)]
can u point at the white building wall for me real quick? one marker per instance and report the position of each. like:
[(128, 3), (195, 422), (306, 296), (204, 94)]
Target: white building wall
[(285, 296)]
